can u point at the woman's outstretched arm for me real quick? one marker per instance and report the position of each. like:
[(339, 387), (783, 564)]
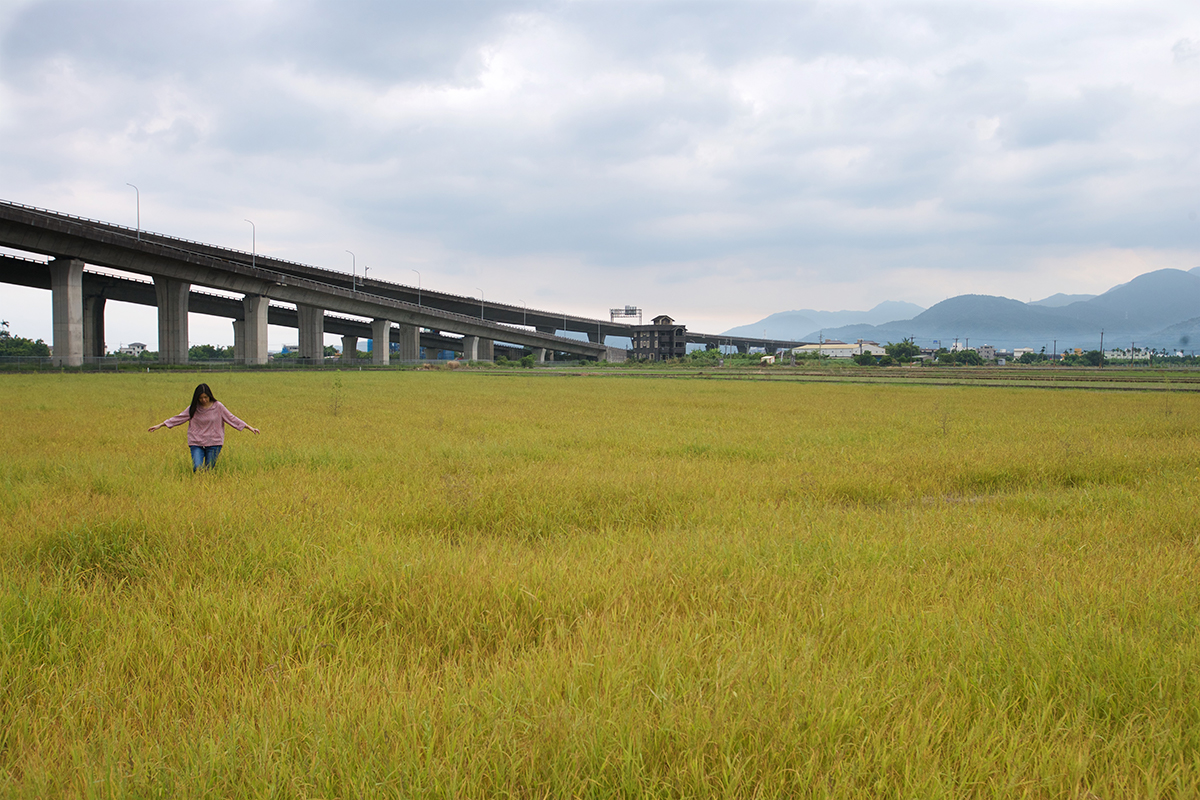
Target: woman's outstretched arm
[(178, 419), (233, 421)]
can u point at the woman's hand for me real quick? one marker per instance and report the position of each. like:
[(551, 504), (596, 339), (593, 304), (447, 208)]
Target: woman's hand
[(153, 428), (252, 429)]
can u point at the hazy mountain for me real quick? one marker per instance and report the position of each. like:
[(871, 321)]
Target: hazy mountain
[(1183, 336), (793, 325), (1059, 300), (1157, 309), (1147, 303)]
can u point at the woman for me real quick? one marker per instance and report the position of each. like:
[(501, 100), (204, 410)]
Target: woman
[(206, 419)]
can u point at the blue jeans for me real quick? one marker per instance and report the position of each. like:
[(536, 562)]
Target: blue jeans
[(204, 457)]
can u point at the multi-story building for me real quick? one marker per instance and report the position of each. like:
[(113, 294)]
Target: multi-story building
[(662, 339)]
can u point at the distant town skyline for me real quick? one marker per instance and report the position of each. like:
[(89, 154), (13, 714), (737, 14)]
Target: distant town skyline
[(718, 162)]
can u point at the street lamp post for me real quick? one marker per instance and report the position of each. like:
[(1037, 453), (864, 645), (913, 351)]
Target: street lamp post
[(480, 301), (524, 313), (365, 270), (353, 271), (418, 287), (253, 243), (138, 197)]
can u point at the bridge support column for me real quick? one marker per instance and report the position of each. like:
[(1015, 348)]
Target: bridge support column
[(172, 297), (349, 348), (410, 343), (743, 348), (312, 332), (66, 285), (487, 350), (470, 348), (93, 327), (381, 342), (596, 336), (254, 330), (540, 354), (239, 341)]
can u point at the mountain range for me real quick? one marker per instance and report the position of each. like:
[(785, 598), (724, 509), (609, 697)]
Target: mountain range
[(1159, 309)]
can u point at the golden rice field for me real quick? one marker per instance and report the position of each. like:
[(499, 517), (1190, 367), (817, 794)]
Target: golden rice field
[(479, 585)]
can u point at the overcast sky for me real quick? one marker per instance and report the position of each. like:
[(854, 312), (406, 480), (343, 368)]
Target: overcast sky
[(715, 161)]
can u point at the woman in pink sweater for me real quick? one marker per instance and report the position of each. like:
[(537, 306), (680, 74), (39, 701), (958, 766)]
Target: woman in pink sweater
[(206, 419)]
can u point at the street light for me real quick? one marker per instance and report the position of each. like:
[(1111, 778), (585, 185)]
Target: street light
[(480, 301), (365, 270), (418, 287), (138, 196), (524, 313), (253, 242), (353, 271)]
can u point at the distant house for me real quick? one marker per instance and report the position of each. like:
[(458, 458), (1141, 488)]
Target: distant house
[(987, 352), (134, 349), (662, 339)]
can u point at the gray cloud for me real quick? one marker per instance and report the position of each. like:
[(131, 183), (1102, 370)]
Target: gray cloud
[(787, 145)]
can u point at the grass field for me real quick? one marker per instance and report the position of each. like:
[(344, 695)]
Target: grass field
[(481, 585)]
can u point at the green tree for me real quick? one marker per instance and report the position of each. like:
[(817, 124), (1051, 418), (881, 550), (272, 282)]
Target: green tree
[(209, 352), (865, 359), (18, 346), (903, 351), (966, 357)]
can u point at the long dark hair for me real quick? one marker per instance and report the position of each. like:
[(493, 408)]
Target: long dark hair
[(201, 389)]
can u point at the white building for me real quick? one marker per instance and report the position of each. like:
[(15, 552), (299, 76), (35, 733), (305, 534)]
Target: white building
[(133, 349), (840, 349)]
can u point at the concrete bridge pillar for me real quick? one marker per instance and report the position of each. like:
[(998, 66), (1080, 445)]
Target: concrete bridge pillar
[(410, 343), (66, 285), (743, 348), (540, 354), (487, 350), (381, 342), (470, 348), (239, 341), (254, 330), (172, 297), (312, 332), (349, 348), (93, 327), (596, 337)]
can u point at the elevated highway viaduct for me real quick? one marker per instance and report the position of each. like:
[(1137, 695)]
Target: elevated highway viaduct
[(98, 288), (70, 243), (176, 264)]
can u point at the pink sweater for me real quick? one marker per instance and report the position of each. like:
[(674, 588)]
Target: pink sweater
[(207, 428)]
